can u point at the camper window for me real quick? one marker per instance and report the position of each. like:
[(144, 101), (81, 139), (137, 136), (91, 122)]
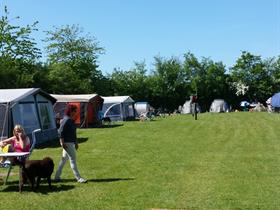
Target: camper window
[(44, 116), (3, 120), (26, 115)]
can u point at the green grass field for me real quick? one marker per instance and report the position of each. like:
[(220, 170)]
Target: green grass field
[(220, 161)]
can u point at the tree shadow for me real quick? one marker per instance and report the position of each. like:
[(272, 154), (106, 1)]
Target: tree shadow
[(56, 144)]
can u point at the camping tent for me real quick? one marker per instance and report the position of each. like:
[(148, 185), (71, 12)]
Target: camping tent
[(88, 107), (219, 105), (187, 109), (141, 107), (275, 100), (268, 103), (30, 107), (118, 108), (244, 104)]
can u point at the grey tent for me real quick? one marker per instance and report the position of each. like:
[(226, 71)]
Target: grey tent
[(219, 105), (187, 109), (141, 107), (118, 108), (30, 107)]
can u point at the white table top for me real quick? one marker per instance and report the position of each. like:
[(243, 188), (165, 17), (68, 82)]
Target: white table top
[(13, 154)]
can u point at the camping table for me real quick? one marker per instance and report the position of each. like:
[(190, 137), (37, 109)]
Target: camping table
[(13, 154)]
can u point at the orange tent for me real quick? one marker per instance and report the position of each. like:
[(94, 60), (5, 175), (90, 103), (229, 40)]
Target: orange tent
[(88, 107)]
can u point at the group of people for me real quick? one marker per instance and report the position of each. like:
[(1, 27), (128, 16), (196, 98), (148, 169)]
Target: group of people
[(20, 142)]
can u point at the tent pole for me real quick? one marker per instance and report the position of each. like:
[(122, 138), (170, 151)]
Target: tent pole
[(5, 120)]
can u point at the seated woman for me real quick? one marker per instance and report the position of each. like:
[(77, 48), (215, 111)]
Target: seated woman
[(19, 142)]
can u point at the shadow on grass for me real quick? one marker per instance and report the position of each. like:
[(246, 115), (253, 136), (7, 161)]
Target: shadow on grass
[(55, 143), (98, 180), (110, 180), (56, 186), (43, 189), (109, 126)]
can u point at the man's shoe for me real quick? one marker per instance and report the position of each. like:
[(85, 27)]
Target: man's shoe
[(81, 180)]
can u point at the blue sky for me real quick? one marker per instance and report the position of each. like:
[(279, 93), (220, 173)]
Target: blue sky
[(138, 30)]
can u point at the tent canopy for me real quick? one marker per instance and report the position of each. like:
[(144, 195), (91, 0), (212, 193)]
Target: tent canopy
[(117, 99), (15, 95), (74, 98)]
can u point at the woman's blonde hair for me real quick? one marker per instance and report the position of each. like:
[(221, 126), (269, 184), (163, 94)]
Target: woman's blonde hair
[(18, 127)]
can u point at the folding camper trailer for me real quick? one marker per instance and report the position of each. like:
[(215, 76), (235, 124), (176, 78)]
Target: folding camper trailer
[(30, 107), (88, 107), (118, 108)]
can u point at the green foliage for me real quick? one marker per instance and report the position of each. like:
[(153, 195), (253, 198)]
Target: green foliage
[(18, 54), (207, 79), (272, 65), (16, 73), (16, 42), (132, 82), (69, 45), (252, 71), (65, 80), (69, 50), (169, 88)]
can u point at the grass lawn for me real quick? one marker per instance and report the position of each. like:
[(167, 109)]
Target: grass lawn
[(220, 161)]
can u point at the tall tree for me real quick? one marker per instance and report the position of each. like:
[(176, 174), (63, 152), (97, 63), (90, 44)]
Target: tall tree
[(132, 82), (18, 53), (273, 66), (69, 48), (252, 71), (207, 79), (169, 83), (16, 41)]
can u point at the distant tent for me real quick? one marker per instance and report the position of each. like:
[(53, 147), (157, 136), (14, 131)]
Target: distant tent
[(186, 109), (259, 108), (30, 107), (88, 107), (244, 104), (268, 101), (219, 105), (118, 108), (275, 100), (141, 107)]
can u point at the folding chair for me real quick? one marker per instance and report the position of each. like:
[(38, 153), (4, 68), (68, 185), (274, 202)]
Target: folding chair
[(8, 163)]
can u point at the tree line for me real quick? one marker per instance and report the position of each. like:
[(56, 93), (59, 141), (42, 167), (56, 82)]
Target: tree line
[(71, 67)]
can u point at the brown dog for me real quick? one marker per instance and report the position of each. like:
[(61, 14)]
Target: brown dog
[(36, 168)]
